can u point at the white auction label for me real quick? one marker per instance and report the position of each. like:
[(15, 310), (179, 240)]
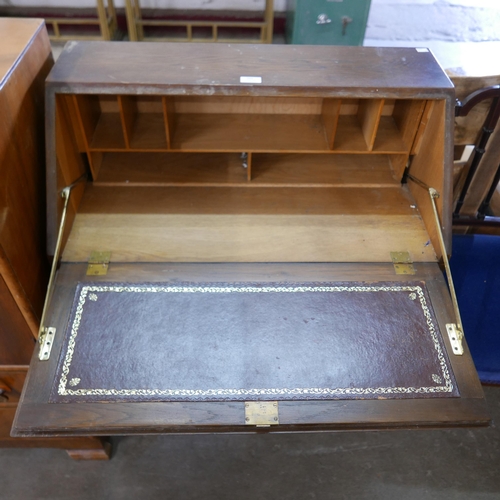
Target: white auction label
[(250, 79)]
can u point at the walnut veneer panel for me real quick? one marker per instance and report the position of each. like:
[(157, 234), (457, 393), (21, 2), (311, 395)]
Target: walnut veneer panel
[(17, 35), (38, 417), (152, 224), (247, 238), (25, 60), (22, 212), (364, 70)]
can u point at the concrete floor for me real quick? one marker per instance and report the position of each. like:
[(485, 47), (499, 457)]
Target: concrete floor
[(458, 464)]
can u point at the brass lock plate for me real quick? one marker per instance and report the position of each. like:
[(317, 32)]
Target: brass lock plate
[(261, 413)]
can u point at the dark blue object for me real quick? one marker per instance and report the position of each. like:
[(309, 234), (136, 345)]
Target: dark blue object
[(475, 266)]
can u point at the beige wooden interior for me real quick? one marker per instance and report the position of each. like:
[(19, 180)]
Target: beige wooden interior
[(320, 180)]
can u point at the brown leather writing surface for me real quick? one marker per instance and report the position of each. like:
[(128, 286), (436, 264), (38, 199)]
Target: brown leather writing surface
[(224, 342)]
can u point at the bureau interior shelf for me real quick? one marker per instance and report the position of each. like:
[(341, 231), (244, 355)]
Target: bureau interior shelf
[(235, 224), (235, 200), (258, 132), (259, 124), (257, 170), (243, 179)]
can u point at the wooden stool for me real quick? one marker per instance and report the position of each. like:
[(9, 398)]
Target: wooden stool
[(135, 25)]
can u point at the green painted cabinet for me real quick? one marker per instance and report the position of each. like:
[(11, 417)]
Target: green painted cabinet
[(327, 22)]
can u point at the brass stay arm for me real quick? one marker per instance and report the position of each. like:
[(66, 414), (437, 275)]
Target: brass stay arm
[(46, 334), (455, 331)]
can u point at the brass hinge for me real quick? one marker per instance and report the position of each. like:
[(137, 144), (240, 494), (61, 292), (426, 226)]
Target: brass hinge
[(261, 413), (46, 340), (403, 263), (98, 263), (455, 335)]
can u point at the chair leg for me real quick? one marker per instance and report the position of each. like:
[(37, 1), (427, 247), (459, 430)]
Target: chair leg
[(131, 25), (112, 16), (103, 20), (138, 16), (269, 18)]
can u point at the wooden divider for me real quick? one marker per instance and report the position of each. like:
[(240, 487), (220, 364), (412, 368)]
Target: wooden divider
[(330, 112), (423, 168), (398, 164), (128, 112), (426, 114), (104, 124), (70, 162), (369, 113), (88, 112), (249, 166), (407, 115), (169, 119)]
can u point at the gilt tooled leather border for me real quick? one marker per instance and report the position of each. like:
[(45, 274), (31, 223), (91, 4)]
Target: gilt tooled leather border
[(66, 386)]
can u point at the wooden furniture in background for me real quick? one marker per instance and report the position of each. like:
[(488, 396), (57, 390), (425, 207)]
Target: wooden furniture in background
[(136, 24), (476, 181), (249, 163), (106, 21), (25, 61), (472, 68), (484, 165)]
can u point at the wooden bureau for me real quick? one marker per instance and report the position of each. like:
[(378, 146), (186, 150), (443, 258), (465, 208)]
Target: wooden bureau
[(214, 175)]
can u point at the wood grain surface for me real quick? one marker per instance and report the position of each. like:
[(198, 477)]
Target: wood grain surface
[(25, 60), (22, 212), (36, 417), (328, 137), (285, 69), (226, 169)]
